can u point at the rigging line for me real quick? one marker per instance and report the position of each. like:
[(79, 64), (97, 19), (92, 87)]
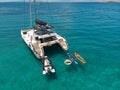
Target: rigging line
[(30, 14), (47, 11), (35, 10), (43, 13), (40, 11), (24, 14), (50, 14)]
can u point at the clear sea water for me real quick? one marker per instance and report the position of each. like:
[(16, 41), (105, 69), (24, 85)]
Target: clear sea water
[(91, 29)]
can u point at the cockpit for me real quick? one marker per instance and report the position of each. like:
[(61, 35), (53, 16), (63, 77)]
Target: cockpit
[(47, 39)]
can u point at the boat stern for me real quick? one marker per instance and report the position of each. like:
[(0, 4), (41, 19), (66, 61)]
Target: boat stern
[(62, 42)]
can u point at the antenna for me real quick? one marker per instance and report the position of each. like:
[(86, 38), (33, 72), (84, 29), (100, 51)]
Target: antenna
[(30, 14)]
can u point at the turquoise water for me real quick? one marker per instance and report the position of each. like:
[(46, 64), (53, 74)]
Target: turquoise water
[(91, 29)]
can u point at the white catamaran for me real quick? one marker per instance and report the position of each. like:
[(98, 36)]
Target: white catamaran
[(41, 36)]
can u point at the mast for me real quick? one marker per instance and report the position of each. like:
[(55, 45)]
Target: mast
[(30, 14)]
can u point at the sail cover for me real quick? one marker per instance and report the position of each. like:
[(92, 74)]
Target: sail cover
[(37, 21)]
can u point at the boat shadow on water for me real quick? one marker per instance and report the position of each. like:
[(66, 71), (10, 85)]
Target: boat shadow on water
[(53, 50), (51, 76)]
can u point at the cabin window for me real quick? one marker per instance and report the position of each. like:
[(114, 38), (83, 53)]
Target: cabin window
[(36, 38), (48, 39), (41, 40)]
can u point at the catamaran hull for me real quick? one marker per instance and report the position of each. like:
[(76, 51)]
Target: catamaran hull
[(31, 46)]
